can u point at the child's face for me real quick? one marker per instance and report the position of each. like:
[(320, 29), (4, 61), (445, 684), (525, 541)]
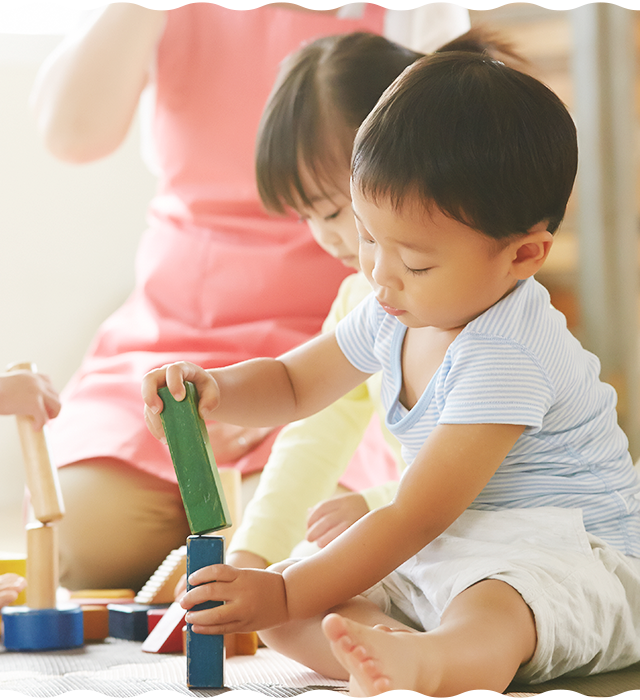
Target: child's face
[(428, 269), (331, 221)]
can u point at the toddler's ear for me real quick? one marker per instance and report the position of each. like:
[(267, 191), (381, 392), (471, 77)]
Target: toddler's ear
[(531, 251)]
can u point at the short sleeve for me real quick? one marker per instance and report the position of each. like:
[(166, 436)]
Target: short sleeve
[(356, 335), (491, 380)]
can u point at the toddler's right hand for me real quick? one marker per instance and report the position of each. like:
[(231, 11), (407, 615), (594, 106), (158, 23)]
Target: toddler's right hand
[(10, 587), (174, 376), (26, 393)]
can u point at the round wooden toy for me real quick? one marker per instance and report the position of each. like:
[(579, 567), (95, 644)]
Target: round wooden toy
[(32, 629)]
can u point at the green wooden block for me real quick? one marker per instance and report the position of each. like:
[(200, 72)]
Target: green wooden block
[(193, 460)]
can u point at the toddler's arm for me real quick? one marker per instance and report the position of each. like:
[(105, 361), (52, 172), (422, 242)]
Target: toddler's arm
[(27, 393), (453, 466), (261, 392)]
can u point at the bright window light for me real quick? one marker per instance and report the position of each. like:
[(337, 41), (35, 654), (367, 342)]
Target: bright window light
[(42, 16)]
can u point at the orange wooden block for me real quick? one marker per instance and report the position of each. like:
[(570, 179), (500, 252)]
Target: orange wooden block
[(240, 644), (95, 619)]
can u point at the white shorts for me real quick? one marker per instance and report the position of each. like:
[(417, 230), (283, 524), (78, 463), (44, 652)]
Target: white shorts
[(584, 594)]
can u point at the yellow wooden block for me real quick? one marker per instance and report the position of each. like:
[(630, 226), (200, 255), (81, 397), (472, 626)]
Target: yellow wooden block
[(103, 593), (12, 563)]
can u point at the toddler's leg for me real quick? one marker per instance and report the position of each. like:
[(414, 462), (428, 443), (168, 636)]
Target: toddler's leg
[(485, 635), (304, 641)]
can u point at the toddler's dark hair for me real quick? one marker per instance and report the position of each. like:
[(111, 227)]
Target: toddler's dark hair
[(488, 145), (324, 92)]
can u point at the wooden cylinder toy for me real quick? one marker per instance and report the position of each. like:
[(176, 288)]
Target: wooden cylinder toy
[(42, 565), (41, 475)]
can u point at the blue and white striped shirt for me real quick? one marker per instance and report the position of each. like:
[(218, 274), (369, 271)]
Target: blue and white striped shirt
[(516, 364)]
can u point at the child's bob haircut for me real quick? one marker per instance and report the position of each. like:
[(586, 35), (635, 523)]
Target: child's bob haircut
[(323, 93), (489, 146)]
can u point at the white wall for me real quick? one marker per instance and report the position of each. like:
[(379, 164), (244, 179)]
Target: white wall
[(68, 236)]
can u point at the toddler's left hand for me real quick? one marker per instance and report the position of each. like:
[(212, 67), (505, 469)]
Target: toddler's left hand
[(332, 517), (10, 587), (254, 599)]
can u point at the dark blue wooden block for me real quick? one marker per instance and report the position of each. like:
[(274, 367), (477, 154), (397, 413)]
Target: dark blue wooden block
[(128, 621), (205, 652), (35, 629)]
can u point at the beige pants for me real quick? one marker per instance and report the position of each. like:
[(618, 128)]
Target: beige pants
[(119, 524)]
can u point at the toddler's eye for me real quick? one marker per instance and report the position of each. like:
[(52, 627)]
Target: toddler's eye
[(333, 216), (420, 271)]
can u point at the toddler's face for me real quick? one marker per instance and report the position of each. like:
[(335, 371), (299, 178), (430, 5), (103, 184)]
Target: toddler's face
[(331, 220), (428, 269)]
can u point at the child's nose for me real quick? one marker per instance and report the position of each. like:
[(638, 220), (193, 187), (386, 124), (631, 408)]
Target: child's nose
[(384, 274)]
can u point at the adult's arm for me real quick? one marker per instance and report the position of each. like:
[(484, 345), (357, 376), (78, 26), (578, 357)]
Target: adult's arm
[(87, 91)]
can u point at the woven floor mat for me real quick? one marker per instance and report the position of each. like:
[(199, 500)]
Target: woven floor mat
[(118, 668)]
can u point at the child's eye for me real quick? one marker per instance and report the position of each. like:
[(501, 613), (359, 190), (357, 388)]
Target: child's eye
[(362, 239), (333, 216), (420, 271)]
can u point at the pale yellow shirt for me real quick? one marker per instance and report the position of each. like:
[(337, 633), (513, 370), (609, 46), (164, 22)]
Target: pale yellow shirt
[(309, 457)]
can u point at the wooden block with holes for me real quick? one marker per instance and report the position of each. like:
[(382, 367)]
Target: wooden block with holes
[(162, 584)]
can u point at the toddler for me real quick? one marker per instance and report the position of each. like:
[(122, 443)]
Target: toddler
[(511, 546)]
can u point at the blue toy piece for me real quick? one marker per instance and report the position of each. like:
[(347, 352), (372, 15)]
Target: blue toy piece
[(40, 629), (205, 652), (128, 621)]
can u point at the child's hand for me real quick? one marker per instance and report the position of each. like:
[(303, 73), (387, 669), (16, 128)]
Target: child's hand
[(254, 599), (10, 587), (240, 560), (26, 393), (332, 517), (174, 376)]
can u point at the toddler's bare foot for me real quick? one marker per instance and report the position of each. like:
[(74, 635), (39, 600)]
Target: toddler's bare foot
[(377, 658)]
